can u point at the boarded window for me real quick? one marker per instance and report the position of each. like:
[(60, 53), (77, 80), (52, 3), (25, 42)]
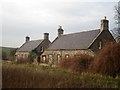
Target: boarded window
[(43, 59), (58, 58), (26, 55), (51, 59), (41, 49), (17, 55), (100, 45), (67, 56)]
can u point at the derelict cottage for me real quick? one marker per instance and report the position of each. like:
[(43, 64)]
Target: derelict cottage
[(71, 45), (33, 45)]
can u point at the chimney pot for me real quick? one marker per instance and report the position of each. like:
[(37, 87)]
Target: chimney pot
[(60, 31), (104, 24), (46, 36), (27, 38)]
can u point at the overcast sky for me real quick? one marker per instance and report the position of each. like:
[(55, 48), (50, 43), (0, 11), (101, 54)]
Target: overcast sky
[(20, 18)]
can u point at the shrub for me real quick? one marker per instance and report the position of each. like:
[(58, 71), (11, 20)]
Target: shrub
[(78, 64), (107, 62), (12, 54), (32, 56), (4, 55)]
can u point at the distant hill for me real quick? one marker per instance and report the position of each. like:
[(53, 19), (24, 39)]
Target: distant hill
[(7, 51)]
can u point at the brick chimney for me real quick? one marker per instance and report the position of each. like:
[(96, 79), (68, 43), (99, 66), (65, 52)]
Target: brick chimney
[(46, 36), (104, 24), (60, 31), (27, 38)]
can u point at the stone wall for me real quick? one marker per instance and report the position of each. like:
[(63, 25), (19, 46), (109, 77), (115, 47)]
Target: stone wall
[(101, 40), (20, 55), (40, 49), (54, 57)]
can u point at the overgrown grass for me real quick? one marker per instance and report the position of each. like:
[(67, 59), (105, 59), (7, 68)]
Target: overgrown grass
[(78, 64), (107, 62), (36, 76)]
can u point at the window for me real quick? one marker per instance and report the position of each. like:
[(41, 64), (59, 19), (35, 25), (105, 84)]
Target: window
[(58, 58), (22, 55), (51, 59), (100, 45), (41, 49), (18, 55), (67, 56), (43, 59), (26, 55)]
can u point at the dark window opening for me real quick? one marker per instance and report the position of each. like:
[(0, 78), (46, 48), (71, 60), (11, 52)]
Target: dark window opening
[(38, 59)]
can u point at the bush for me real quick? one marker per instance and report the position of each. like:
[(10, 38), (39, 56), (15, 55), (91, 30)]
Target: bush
[(12, 54), (107, 62), (32, 56), (4, 55), (78, 64)]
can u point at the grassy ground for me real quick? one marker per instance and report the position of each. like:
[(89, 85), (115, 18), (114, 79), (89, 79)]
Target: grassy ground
[(36, 76)]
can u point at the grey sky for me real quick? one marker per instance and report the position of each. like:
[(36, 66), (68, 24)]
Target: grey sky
[(32, 18)]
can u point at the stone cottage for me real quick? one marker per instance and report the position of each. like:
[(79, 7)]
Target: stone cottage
[(71, 45), (34, 45)]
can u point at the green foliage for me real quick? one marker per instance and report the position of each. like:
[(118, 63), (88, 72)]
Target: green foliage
[(12, 52), (7, 52), (32, 55), (4, 55)]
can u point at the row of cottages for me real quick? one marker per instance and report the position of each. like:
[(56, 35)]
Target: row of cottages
[(38, 46), (71, 45), (67, 45)]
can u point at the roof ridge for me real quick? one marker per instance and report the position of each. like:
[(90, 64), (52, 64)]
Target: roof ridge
[(80, 32), (37, 40)]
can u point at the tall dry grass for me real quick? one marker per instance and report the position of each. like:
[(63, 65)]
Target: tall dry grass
[(107, 62), (78, 64), (23, 61), (36, 76)]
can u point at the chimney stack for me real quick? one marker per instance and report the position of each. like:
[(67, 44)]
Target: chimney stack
[(46, 36), (27, 38), (60, 31), (104, 24)]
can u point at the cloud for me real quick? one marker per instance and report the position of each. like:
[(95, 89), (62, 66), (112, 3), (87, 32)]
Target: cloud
[(34, 17)]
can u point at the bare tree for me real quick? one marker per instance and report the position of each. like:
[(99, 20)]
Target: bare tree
[(116, 30)]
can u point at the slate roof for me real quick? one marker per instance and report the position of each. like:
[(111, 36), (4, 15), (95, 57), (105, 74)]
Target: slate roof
[(80, 40), (29, 46)]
